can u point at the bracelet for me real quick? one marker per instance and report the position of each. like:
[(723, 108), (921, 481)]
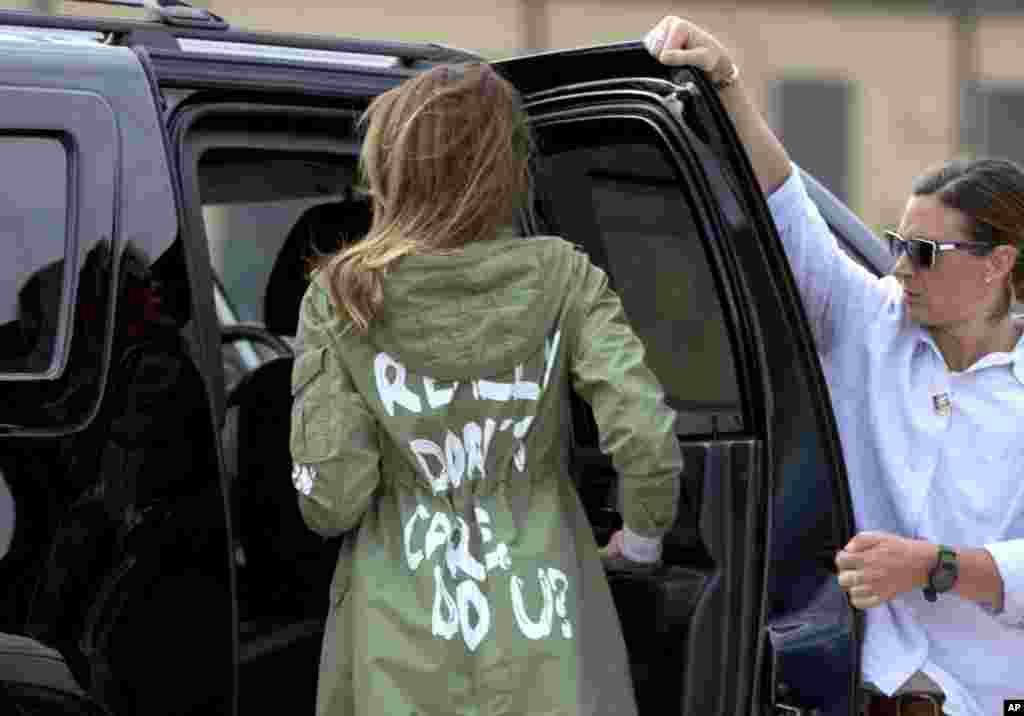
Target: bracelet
[(720, 85)]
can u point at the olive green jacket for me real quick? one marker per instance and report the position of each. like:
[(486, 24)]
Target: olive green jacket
[(470, 582)]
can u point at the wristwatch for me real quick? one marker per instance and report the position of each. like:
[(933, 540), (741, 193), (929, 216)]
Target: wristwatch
[(943, 575), (734, 74)]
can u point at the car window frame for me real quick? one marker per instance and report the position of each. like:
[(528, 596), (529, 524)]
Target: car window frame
[(61, 345), (85, 124), (709, 238)]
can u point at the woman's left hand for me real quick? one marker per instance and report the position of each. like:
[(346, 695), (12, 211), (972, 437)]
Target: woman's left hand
[(874, 567), (613, 549)]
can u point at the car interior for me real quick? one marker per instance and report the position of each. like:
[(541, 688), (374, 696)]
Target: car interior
[(263, 234)]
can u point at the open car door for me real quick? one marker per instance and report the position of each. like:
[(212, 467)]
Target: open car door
[(639, 166)]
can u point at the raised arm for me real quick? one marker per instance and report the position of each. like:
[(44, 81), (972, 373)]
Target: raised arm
[(838, 294), (675, 41)]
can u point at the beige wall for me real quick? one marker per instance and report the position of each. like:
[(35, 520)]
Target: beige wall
[(495, 28), (1001, 50), (905, 114)]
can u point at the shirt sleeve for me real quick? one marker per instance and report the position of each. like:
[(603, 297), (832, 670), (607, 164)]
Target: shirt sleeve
[(334, 441), (1009, 559), (636, 427), (837, 292)]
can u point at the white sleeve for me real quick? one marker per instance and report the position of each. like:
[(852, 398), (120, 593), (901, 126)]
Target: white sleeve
[(837, 292), (1009, 559), (638, 548)]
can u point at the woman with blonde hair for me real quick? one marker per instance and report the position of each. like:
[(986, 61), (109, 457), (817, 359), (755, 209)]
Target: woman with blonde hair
[(430, 427)]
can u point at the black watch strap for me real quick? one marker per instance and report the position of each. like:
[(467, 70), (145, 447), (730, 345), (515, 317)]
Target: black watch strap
[(943, 575)]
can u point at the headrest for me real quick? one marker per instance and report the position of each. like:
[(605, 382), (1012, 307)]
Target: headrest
[(322, 229)]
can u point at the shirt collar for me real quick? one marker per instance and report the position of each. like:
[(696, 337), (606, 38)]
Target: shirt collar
[(1014, 359), (1017, 356)]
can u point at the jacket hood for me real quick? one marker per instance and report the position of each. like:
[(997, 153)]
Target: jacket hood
[(477, 312)]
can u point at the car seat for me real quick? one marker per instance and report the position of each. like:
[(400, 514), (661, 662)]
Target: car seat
[(321, 230), (35, 679)]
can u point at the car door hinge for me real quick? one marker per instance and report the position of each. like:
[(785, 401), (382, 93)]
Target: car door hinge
[(787, 710), (678, 100)]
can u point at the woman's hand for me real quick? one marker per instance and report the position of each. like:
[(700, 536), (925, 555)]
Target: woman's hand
[(874, 567), (675, 41), (614, 558), (613, 549)]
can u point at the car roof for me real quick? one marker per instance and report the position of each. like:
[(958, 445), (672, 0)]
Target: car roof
[(220, 40)]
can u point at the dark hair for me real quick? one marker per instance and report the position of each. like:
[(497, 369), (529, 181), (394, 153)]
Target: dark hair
[(990, 194), (446, 162)]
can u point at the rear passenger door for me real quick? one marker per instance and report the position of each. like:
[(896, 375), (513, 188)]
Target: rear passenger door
[(118, 559), (642, 170)]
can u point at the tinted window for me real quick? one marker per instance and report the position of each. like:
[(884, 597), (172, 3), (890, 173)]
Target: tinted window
[(33, 227), (609, 187)]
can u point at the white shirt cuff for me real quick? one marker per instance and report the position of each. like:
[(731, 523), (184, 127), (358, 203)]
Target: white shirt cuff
[(638, 548), (1009, 559), (789, 197)]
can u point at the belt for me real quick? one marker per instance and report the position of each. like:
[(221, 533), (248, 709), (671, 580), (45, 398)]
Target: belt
[(910, 703)]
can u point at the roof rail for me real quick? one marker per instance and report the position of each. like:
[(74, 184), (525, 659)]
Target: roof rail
[(170, 12), (124, 31)]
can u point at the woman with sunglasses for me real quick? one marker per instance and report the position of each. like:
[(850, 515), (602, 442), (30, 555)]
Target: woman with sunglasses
[(926, 368)]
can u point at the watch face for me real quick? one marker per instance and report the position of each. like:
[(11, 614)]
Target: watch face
[(944, 578)]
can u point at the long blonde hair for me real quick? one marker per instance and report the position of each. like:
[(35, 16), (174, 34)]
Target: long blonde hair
[(445, 158)]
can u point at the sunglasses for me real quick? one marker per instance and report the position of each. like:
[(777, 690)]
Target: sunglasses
[(923, 252)]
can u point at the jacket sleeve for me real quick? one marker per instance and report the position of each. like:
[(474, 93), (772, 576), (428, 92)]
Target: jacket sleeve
[(637, 428), (334, 441), (838, 294)]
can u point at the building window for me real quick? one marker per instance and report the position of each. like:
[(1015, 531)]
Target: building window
[(812, 118), (1000, 110)]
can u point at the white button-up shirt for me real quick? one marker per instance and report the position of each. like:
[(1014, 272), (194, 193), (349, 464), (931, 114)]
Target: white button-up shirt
[(946, 476)]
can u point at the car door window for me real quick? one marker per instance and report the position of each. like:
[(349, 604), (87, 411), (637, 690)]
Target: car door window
[(33, 242), (264, 231), (620, 200)]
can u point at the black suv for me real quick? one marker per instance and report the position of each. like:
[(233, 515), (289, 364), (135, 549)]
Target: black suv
[(164, 183)]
